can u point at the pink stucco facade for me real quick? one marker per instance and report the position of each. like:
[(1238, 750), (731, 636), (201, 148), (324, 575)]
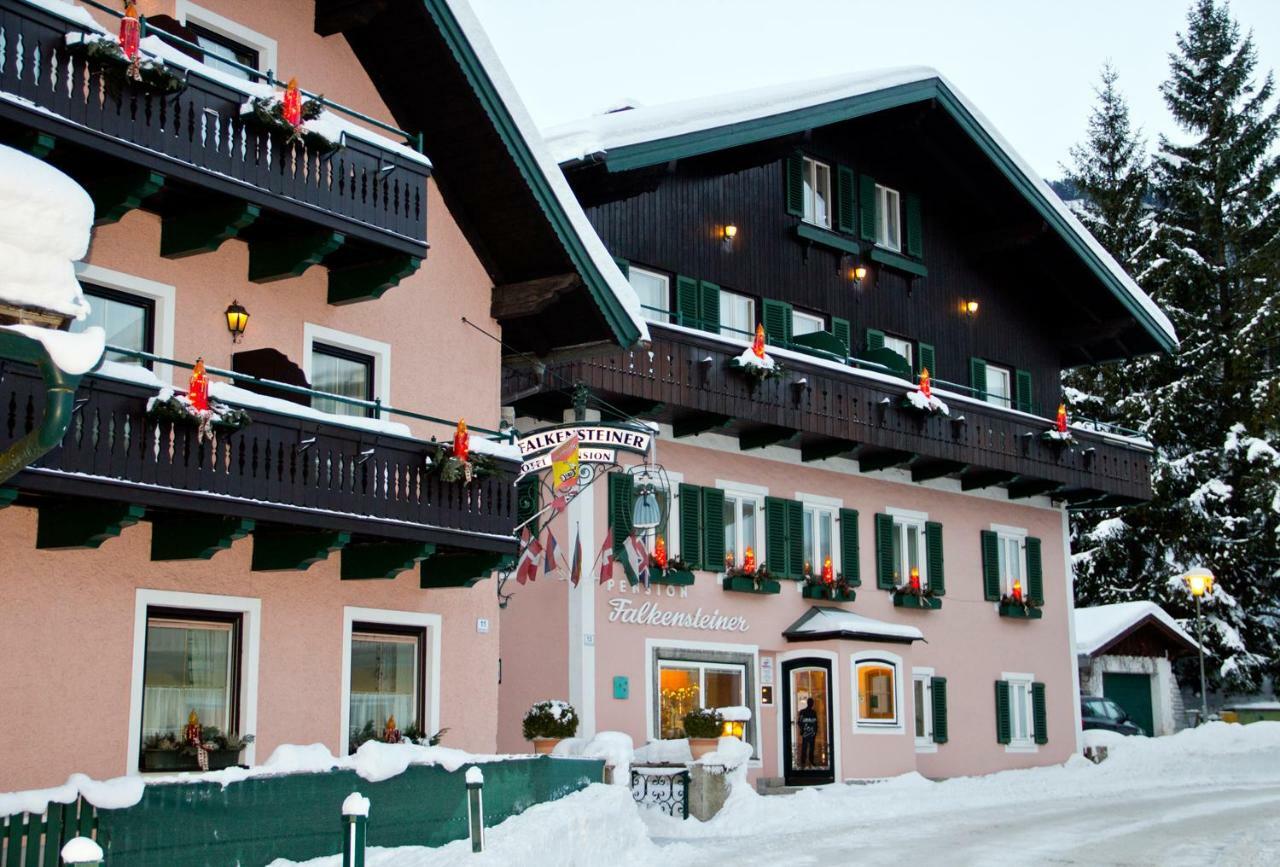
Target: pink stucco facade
[(966, 641), (68, 626)]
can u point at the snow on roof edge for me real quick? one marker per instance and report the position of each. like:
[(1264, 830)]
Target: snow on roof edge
[(547, 165), (1099, 625), (578, 139)]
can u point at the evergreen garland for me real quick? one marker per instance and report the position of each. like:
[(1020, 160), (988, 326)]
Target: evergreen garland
[(267, 113), (106, 58)]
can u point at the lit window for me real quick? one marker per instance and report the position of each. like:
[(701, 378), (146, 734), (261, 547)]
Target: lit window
[(1012, 559), (128, 319), (806, 323), (908, 552), (1021, 718), (817, 193), (818, 532), (742, 514), (343, 372), (191, 665), (922, 698), (737, 314), (877, 697), (223, 54), (889, 232), (902, 346), (653, 289), (687, 686), (998, 389), (386, 682)]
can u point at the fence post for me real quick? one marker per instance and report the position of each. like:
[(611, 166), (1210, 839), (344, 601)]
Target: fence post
[(475, 807), (355, 816), (81, 851)]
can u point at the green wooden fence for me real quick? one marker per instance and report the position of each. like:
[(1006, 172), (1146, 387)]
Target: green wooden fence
[(295, 816)]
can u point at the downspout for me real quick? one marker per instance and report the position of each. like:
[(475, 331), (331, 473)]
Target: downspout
[(60, 395)]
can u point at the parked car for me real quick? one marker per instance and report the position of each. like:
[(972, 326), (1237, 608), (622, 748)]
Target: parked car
[(1103, 713)]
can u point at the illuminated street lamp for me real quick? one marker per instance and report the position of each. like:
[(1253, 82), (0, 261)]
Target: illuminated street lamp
[(1200, 582)]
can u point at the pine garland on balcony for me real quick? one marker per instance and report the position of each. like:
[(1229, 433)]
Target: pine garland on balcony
[(106, 58), (177, 408), (267, 113), (453, 469)]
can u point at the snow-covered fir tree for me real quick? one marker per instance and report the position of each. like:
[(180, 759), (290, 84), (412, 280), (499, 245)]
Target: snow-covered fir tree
[(1210, 256)]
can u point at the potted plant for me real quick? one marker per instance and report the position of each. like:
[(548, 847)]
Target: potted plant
[(703, 728), (169, 752), (411, 733), (549, 722)]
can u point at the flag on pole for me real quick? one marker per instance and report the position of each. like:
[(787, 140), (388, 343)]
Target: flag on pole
[(575, 570), (637, 560), (552, 549), (527, 565), (605, 557)]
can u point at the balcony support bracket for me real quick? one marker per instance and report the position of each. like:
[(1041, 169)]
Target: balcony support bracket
[(382, 560), (195, 537), (71, 524), (826, 449), (769, 435), (1022, 488), (871, 460), (978, 479), (462, 570), (697, 423), (116, 193), (285, 256), (38, 144), (367, 282), (276, 550), (924, 470), (203, 229)]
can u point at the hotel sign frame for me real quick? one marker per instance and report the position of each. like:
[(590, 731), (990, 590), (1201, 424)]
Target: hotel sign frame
[(599, 443)]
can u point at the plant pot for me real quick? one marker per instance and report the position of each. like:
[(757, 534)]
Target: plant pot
[(1023, 612), (177, 760), (809, 591), (911, 600), (678, 577), (742, 584), (544, 746), (699, 747)]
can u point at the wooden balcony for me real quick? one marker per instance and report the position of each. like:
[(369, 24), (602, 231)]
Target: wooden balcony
[(303, 488), (192, 158), (827, 411)]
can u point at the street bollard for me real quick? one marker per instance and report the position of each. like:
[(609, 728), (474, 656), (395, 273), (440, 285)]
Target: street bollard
[(82, 851), (355, 816), (475, 807)]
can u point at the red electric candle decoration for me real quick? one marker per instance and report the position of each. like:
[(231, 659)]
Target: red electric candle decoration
[(915, 578), (130, 37), (291, 108), (660, 553), (391, 734), (462, 442), (757, 345), (749, 560), (828, 572), (728, 559), (925, 389), (198, 387), (194, 732), (1017, 591), (1062, 418)]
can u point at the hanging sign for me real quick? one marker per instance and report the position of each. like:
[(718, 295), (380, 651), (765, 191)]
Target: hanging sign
[(565, 459), (598, 443)]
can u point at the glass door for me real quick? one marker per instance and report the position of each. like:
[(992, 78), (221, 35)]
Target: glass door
[(809, 730)]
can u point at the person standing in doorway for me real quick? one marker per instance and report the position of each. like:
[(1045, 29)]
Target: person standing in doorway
[(807, 721)]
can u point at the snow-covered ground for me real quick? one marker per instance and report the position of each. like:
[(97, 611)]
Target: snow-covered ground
[(1205, 796)]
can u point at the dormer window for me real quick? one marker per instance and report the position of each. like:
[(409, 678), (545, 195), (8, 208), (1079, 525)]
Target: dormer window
[(889, 212), (817, 193)]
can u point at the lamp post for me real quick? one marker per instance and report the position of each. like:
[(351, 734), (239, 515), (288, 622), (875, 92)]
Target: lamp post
[(1200, 582)]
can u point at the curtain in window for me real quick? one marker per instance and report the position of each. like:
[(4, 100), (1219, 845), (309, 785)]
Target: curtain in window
[(384, 680), (188, 668)]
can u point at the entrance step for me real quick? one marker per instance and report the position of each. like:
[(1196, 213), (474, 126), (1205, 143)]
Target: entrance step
[(775, 786)]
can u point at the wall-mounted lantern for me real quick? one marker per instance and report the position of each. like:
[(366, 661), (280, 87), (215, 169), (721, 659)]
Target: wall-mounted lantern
[(727, 234), (969, 308), (237, 320)]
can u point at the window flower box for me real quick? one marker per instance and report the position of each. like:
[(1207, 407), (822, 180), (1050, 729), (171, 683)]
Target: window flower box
[(907, 599), (1024, 611), (677, 577), (750, 584), (180, 760), (830, 594)]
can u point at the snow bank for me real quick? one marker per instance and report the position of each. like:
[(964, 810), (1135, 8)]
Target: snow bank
[(110, 794), (748, 358), (737, 713), (730, 752), (72, 353), (81, 850), (665, 750), (237, 396), (45, 220), (617, 751)]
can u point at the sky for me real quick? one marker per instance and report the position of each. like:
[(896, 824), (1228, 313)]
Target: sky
[(1030, 66)]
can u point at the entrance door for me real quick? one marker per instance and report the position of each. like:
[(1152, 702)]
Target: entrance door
[(1133, 693), (808, 727)]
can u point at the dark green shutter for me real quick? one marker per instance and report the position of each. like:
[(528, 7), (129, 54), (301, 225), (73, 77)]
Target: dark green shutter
[(849, 547), (875, 340), (938, 686), (884, 552), (709, 309), (528, 501), (775, 535), (621, 495), (1022, 390), (915, 240), (842, 331), (990, 566), (793, 170), (795, 540), (1038, 711), (925, 359), (1004, 725), (1035, 572), (845, 216), (868, 209), (690, 497), (933, 556), (623, 265), (777, 322), (978, 378), (687, 303), (712, 529)]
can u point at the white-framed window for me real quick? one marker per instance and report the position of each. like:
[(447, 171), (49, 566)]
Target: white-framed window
[(346, 364), (687, 685), (903, 347), (737, 314), (654, 292), (1022, 724), (158, 297), (390, 667), (743, 524), (889, 232), (806, 323), (1011, 547), (922, 709), (817, 193), (224, 39), (909, 548), (877, 691), (667, 502), (819, 538), (999, 385)]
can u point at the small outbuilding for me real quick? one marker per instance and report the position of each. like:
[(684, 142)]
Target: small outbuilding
[(1125, 652)]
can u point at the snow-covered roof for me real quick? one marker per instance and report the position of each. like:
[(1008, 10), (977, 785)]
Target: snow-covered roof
[(643, 135), (825, 622), (1100, 625)]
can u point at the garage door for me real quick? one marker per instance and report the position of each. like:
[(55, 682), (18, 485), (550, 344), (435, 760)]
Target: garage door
[(1133, 693)]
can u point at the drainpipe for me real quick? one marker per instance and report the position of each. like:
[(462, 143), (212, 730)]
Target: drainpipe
[(60, 395)]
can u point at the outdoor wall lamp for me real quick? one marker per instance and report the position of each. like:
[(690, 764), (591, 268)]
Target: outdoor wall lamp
[(858, 274), (237, 320), (727, 234), (969, 308)]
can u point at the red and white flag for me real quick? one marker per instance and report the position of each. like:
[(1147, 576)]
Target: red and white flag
[(605, 557), (527, 565), (551, 563), (637, 560)]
